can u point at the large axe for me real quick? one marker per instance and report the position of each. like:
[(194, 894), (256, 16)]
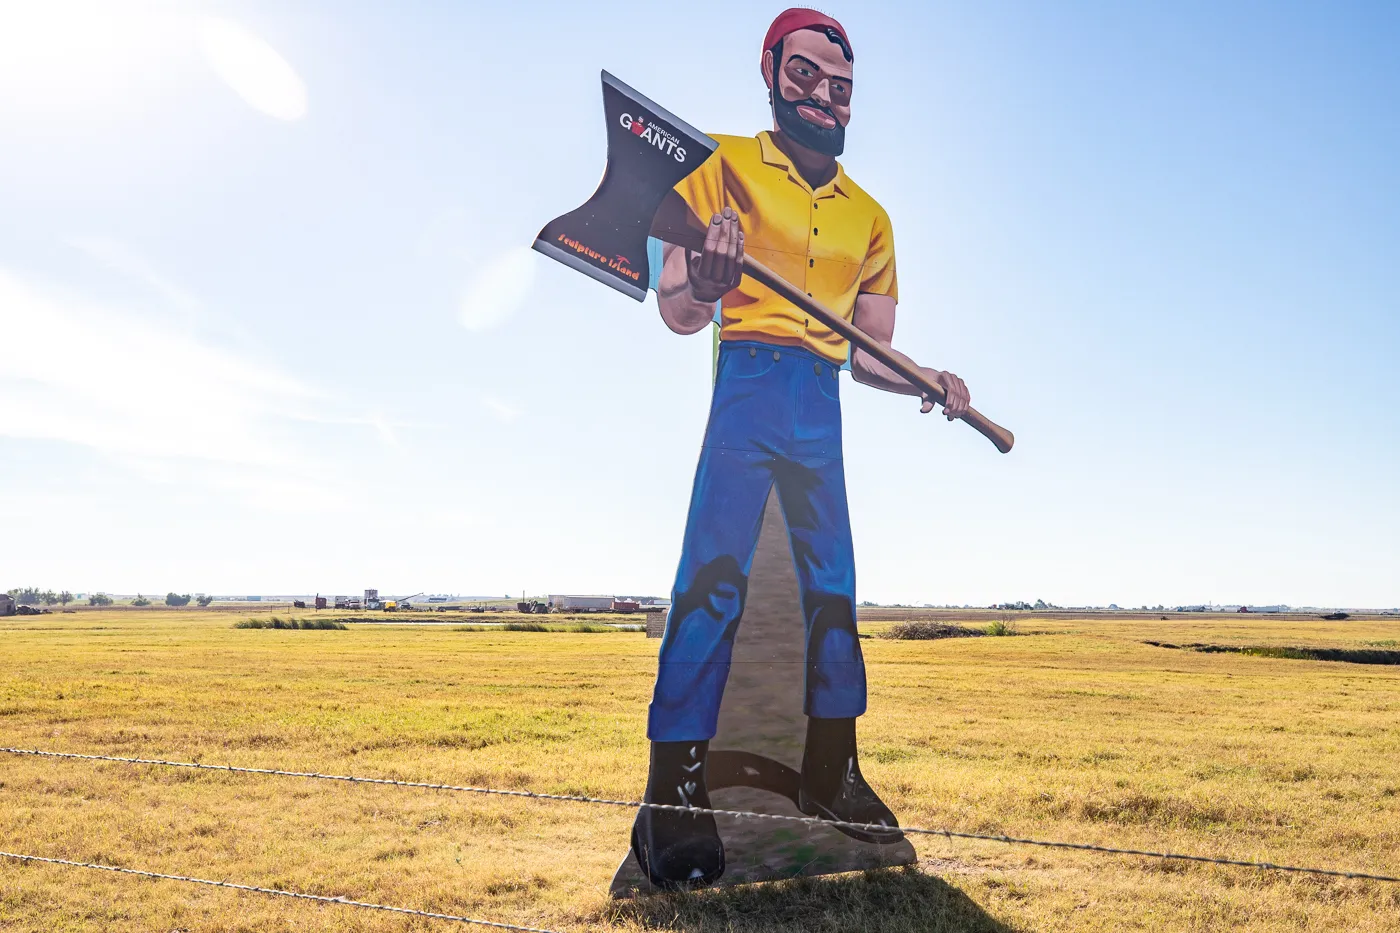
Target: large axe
[(649, 151)]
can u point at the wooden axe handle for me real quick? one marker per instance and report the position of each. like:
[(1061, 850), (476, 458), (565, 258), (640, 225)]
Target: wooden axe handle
[(999, 436)]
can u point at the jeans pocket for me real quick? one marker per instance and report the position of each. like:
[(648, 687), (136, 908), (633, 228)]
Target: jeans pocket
[(829, 382), (748, 363)]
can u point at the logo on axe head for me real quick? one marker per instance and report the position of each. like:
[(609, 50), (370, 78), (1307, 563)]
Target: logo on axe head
[(665, 141)]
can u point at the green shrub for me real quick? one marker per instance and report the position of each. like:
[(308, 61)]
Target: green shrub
[(1002, 627), (280, 623)]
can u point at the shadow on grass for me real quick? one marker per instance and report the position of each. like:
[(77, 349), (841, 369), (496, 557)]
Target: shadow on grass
[(899, 900)]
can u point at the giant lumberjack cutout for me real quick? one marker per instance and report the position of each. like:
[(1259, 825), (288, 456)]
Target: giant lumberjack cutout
[(801, 260)]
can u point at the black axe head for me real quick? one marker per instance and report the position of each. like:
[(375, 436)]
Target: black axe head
[(649, 151)]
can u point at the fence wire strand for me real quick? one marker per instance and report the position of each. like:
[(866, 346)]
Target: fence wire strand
[(744, 814), (342, 901)]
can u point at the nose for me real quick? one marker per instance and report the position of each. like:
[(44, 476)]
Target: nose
[(822, 92)]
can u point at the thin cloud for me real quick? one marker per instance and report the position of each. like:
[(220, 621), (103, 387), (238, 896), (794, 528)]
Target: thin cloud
[(122, 259), (497, 289), (385, 427), (160, 401), (501, 410)]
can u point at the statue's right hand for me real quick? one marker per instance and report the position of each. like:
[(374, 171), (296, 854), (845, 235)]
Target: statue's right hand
[(717, 268)]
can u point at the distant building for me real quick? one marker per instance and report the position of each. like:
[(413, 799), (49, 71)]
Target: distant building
[(580, 603), (7, 604)]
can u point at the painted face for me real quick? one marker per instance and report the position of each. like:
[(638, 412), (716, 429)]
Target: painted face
[(812, 99)]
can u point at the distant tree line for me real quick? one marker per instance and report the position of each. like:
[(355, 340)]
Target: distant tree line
[(33, 596)]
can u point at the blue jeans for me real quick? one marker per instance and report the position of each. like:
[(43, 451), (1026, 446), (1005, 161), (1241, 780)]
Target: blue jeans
[(775, 420)]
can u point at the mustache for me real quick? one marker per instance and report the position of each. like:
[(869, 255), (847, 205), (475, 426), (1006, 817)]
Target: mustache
[(809, 102)]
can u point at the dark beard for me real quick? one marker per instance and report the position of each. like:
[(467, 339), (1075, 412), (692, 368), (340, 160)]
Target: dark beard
[(830, 142)]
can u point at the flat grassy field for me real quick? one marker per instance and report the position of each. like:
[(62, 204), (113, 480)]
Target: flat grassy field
[(1074, 731)]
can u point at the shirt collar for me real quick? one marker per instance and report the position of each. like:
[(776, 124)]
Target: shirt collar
[(775, 157)]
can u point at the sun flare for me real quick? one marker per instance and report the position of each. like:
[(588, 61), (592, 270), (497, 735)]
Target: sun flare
[(253, 69)]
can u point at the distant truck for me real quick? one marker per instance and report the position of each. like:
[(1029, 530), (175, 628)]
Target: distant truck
[(581, 603), (402, 602)]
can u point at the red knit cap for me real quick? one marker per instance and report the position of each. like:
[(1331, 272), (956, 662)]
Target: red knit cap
[(789, 21)]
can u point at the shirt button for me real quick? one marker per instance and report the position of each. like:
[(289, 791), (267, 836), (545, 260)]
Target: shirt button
[(815, 231), (753, 352), (815, 205), (777, 355), (811, 263)]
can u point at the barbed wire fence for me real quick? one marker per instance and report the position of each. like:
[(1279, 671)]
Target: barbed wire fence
[(341, 901), (745, 814), (949, 834)]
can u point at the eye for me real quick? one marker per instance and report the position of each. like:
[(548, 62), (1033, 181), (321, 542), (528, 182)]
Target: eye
[(840, 88)]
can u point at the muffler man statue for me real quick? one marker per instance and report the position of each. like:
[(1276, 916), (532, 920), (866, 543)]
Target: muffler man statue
[(775, 420)]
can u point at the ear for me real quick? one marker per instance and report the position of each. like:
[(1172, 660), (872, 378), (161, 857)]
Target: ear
[(766, 65)]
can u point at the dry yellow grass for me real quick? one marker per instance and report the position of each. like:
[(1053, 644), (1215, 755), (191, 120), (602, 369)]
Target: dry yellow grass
[(1085, 735)]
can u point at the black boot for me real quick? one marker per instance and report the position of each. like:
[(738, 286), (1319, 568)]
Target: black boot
[(677, 850), (833, 787)]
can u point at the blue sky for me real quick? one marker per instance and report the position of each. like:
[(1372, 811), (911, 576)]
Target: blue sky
[(270, 323)]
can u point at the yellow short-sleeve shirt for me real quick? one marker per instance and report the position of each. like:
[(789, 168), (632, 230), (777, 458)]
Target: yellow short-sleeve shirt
[(833, 242)]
